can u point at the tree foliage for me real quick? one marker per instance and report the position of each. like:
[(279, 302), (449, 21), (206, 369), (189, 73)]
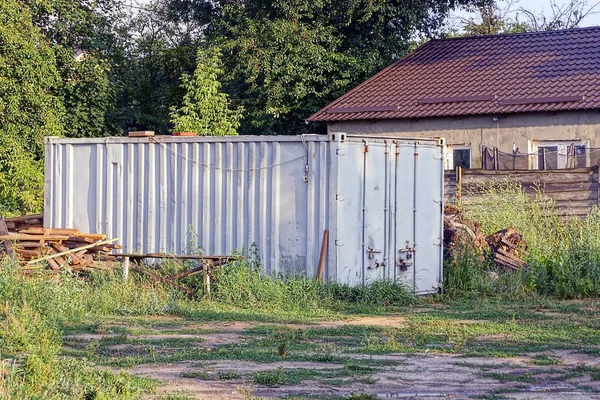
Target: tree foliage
[(490, 18), (206, 109), (287, 59), (29, 109)]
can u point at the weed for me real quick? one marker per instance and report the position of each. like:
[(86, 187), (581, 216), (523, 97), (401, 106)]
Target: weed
[(228, 375), (592, 371), (544, 359), (274, 377), (563, 255)]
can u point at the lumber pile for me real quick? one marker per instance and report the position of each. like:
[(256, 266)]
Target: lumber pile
[(15, 224), (506, 247), (461, 231), (54, 249)]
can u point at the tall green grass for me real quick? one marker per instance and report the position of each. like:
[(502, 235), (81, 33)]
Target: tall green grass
[(244, 285), (563, 253), (31, 312)]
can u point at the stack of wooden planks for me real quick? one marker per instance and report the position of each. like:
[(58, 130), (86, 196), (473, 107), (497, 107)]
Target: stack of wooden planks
[(508, 249), (25, 221), (507, 246), (57, 249)]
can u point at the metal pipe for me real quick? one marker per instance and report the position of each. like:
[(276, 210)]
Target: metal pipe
[(364, 213), (441, 249), (386, 209), (415, 175), (395, 248)]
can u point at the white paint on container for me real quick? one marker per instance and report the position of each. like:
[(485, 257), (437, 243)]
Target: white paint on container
[(380, 198)]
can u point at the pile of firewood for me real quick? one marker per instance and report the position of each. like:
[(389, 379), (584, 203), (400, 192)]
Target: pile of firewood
[(53, 250), (460, 230), (507, 246)]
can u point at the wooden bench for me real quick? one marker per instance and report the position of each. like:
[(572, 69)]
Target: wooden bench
[(208, 263)]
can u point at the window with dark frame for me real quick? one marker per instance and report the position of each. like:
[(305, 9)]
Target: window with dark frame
[(461, 158), (547, 157)]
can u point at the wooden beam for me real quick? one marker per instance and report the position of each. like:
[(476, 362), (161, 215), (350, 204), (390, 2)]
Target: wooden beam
[(7, 243), (323, 255), (75, 250)]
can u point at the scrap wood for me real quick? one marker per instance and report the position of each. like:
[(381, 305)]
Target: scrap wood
[(507, 245), (7, 244), (49, 231), (48, 257), (16, 223), (20, 236)]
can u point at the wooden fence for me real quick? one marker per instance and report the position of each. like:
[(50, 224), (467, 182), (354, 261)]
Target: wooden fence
[(575, 191)]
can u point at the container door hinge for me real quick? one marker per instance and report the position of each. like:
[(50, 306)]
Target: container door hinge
[(339, 197)]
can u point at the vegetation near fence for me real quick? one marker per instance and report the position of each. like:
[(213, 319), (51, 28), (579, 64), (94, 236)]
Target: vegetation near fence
[(563, 255), (574, 191), (563, 259), (35, 312)]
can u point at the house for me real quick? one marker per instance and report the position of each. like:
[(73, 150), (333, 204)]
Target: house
[(528, 100)]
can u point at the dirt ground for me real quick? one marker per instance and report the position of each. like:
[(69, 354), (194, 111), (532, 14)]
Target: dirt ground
[(340, 372)]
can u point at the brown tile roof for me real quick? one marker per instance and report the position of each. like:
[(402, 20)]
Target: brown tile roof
[(542, 71)]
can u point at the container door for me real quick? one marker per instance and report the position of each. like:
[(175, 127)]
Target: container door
[(362, 198), (403, 218), (376, 208)]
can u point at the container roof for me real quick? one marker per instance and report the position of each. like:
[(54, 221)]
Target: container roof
[(499, 74)]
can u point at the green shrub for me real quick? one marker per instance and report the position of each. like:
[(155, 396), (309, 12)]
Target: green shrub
[(563, 253)]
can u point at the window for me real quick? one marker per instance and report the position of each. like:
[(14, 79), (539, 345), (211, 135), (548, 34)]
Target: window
[(548, 157), (458, 156), (560, 155), (581, 159)]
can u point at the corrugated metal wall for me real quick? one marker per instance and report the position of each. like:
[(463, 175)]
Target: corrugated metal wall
[(169, 194), (381, 199)]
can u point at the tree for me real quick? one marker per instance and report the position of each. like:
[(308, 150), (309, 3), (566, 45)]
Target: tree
[(82, 35), (562, 16), (284, 60), (491, 19), (205, 108), (156, 47), (29, 109)]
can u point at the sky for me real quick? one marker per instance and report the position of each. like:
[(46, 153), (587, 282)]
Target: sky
[(543, 7)]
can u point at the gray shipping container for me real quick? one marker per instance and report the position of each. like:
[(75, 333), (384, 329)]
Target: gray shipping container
[(381, 199)]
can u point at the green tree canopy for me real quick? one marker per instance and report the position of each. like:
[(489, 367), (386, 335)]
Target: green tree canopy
[(205, 109), (29, 109), (286, 59)]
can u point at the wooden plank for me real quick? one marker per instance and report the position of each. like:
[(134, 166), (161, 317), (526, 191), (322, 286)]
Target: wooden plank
[(53, 265), (323, 255), (80, 239), (491, 172), (189, 272), (25, 218), (92, 236), (75, 250), (18, 236), (7, 243), (141, 133), (27, 245), (74, 258), (175, 256)]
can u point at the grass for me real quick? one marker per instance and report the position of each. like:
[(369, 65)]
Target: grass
[(563, 255), (521, 314)]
